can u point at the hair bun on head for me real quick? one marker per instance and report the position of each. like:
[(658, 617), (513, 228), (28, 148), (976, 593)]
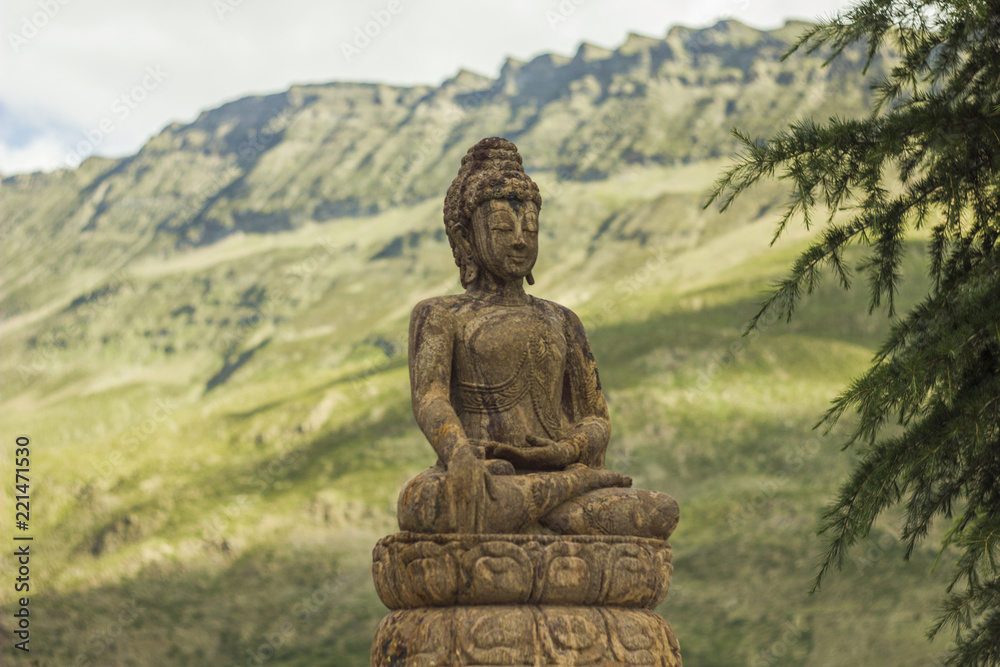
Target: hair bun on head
[(493, 148)]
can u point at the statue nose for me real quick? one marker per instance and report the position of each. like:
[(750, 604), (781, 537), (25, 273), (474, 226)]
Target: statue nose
[(519, 240)]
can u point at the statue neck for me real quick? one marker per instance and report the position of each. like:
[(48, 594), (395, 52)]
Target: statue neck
[(496, 290)]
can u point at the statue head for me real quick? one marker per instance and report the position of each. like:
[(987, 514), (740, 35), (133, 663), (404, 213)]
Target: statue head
[(491, 173)]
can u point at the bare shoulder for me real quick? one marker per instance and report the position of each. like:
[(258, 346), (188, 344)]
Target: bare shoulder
[(560, 312), (438, 308)]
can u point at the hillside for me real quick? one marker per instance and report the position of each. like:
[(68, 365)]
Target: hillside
[(206, 344)]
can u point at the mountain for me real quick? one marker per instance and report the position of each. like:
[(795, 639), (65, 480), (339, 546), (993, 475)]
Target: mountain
[(205, 343)]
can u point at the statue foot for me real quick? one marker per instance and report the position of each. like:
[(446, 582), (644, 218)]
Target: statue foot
[(500, 467), (594, 478), (615, 511)]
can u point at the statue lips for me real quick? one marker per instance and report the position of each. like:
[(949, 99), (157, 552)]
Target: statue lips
[(521, 262)]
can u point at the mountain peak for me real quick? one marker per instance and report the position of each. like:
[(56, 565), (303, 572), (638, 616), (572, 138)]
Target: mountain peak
[(636, 42), (506, 82), (591, 52), (468, 80), (736, 33)]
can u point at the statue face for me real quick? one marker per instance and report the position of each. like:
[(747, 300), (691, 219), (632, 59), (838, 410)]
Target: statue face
[(505, 237)]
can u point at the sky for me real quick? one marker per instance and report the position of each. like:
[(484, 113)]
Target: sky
[(80, 77)]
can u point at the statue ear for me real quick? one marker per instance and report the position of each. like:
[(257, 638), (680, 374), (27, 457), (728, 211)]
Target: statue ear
[(461, 243), (461, 246), (530, 278)]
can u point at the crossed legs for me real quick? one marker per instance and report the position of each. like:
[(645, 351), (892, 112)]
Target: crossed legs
[(579, 500)]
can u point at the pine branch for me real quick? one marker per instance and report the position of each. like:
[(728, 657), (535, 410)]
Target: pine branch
[(936, 128)]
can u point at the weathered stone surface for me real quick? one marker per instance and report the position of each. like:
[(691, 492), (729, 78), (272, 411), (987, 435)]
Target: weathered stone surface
[(519, 547), (417, 570), (505, 386), (524, 636)]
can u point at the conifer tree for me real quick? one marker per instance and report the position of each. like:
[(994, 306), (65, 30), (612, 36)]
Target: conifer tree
[(925, 163)]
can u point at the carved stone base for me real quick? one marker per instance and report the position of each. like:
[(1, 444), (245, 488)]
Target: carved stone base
[(522, 601), (425, 570), (524, 636)]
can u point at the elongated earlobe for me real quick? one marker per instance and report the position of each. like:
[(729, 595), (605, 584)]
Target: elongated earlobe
[(530, 278), (464, 257), (469, 273)]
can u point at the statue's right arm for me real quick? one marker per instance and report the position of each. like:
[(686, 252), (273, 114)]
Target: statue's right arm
[(432, 338)]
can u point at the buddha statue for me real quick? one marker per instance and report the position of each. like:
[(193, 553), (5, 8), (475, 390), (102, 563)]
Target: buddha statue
[(505, 387), (517, 548)]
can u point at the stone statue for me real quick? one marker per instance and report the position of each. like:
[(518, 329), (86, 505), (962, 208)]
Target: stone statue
[(518, 518), (505, 386)]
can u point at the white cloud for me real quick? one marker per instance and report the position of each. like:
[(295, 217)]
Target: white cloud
[(70, 60), (42, 153)]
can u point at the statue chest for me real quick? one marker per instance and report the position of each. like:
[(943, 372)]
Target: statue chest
[(505, 354)]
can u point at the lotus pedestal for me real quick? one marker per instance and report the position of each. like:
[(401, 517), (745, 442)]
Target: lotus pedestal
[(522, 600)]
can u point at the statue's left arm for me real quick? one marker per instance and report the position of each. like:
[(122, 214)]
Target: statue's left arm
[(582, 397)]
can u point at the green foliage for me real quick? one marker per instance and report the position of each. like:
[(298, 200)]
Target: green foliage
[(925, 163)]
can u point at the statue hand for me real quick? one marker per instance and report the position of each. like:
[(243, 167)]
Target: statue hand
[(541, 453), (484, 449), (464, 456)]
